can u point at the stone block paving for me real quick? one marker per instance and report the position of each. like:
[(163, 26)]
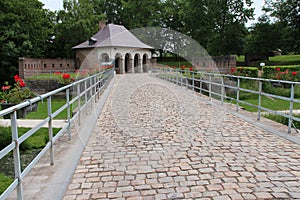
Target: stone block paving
[(156, 140)]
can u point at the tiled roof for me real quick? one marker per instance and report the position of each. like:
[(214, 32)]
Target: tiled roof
[(113, 36)]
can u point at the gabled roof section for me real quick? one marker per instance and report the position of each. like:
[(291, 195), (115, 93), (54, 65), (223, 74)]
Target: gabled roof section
[(113, 36)]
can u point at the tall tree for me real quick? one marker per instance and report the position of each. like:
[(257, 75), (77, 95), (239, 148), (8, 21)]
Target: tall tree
[(288, 14), (76, 23), (138, 14), (24, 31)]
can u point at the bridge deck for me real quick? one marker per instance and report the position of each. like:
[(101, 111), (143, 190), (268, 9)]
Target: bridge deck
[(155, 140)]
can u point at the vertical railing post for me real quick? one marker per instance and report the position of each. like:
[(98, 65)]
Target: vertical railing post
[(259, 99), (209, 86), (177, 83), (193, 76), (68, 113), (222, 89), (181, 78), (16, 154), (291, 108), (200, 83), (50, 130), (238, 93), (85, 94), (79, 103)]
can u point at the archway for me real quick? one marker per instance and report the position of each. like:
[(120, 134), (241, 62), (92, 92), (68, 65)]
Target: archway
[(145, 59), (118, 64), (137, 65), (104, 57), (128, 63)]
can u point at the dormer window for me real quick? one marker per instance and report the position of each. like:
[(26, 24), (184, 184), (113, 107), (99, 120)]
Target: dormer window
[(92, 41)]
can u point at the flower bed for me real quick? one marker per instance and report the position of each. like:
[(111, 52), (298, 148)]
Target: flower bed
[(287, 73), (245, 71)]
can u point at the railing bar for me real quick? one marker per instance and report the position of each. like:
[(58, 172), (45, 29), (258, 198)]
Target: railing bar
[(7, 149)]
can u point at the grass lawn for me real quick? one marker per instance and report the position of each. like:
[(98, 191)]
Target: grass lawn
[(5, 181), (42, 111), (284, 60), (274, 104)]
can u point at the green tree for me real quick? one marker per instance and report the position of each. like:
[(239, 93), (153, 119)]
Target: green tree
[(75, 24), (138, 14), (265, 36), (24, 32), (287, 13)]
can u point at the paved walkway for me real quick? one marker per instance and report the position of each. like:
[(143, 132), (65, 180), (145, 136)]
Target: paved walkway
[(155, 140)]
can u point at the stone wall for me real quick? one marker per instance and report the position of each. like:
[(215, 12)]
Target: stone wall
[(35, 66), (42, 86), (215, 63)]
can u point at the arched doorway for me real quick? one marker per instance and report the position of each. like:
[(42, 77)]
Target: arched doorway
[(128, 64), (118, 63), (145, 59), (137, 63)]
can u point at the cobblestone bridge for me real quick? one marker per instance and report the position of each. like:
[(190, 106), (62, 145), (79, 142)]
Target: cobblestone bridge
[(156, 140)]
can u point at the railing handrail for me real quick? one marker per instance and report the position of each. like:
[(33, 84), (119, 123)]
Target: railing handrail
[(177, 76), (97, 83)]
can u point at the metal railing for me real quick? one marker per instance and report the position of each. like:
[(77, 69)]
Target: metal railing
[(84, 92), (225, 87)]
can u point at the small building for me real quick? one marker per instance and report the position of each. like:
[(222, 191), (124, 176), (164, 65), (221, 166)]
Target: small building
[(114, 45)]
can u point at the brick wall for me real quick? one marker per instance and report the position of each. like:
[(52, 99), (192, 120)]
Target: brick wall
[(35, 66), (215, 63)]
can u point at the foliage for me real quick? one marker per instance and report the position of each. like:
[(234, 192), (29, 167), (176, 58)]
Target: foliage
[(287, 13), (282, 120), (265, 36), (245, 71), (36, 141), (64, 78), (5, 181), (25, 29), (288, 73), (15, 94), (281, 91)]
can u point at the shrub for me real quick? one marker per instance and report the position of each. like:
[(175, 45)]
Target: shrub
[(245, 71), (289, 73)]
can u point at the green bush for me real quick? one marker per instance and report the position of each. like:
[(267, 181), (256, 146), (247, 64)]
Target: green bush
[(274, 72), (5, 181), (282, 120), (6, 139), (245, 71), (36, 141)]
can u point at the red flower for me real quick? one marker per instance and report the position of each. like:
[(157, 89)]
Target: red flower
[(57, 73), (294, 73), (66, 76), (17, 78), (191, 69), (282, 73), (277, 69), (5, 87), (21, 83)]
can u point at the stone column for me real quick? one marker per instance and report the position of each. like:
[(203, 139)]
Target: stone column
[(140, 66), (122, 66), (131, 66)]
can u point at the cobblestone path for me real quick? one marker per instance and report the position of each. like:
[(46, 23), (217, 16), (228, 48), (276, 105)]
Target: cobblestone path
[(155, 140)]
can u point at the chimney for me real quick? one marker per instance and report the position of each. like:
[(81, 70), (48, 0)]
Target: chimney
[(102, 25)]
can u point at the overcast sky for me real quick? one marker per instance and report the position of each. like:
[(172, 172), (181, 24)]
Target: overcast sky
[(58, 5)]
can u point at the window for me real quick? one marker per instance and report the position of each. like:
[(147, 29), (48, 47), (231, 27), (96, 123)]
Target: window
[(25, 66), (45, 66), (60, 65), (68, 65), (53, 65)]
